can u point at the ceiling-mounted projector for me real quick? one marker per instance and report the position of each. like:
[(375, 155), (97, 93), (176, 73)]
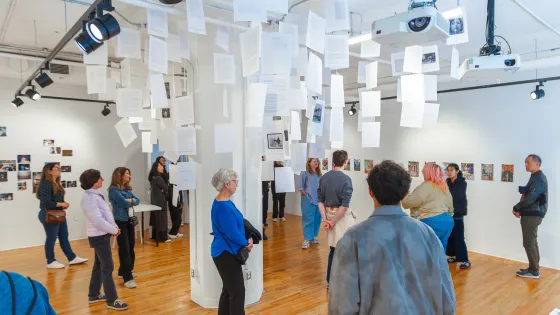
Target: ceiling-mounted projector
[(416, 27), (495, 67), (170, 1)]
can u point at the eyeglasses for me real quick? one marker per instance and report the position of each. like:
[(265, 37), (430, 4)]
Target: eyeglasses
[(235, 181), (56, 168)]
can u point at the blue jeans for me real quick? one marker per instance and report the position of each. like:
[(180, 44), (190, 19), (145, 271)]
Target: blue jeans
[(54, 231), (310, 219), (442, 225)]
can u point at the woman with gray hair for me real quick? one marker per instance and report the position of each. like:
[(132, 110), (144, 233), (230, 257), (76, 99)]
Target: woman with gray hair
[(229, 238)]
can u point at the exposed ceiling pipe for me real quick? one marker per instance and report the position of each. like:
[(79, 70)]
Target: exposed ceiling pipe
[(7, 20), (543, 22), (39, 59)]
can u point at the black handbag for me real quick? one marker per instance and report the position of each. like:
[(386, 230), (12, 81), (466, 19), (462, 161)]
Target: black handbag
[(133, 220), (243, 253)]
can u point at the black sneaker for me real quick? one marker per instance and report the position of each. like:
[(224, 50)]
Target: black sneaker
[(529, 274), (100, 298), (451, 260), (118, 305), (266, 224), (465, 265)]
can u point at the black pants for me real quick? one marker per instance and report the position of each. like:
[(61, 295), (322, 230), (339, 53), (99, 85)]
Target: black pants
[(102, 272), (175, 213), (162, 235), (456, 246), (126, 241), (529, 228), (278, 203), (329, 264), (265, 190), (232, 299)]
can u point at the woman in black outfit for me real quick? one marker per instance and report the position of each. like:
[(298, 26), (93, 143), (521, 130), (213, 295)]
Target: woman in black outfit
[(278, 199), (159, 196), (456, 246)]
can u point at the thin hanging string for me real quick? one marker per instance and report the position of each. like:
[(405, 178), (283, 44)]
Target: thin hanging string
[(65, 18), (36, 45), (536, 57)]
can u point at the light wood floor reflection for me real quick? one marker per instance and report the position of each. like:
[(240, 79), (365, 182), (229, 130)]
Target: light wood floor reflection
[(294, 279)]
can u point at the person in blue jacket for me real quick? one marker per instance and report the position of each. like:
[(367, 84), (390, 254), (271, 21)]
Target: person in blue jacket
[(122, 200), (30, 296), (229, 237)]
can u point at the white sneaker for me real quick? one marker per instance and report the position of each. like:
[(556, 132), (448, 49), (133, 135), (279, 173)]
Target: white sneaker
[(78, 260), (283, 219), (167, 241), (305, 244), (172, 236), (130, 284), (55, 265), (180, 235), (274, 220), (315, 241), (134, 276)]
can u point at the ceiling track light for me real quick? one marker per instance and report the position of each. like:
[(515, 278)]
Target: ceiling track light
[(538, 93), (44, 80), (170, 1), (352, 111), (17, 102), (32, 94), (106, 111), (85, 42), (104, 26)]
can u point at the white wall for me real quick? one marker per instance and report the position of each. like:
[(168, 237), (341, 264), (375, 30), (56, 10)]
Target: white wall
[(499, 126), (76, 126)]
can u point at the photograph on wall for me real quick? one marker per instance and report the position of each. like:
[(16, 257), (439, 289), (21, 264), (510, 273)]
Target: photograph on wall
[(53, 150), (368, 165), (24, 167), (67, 153), (63, 183), (36, 180), (275, 141), (468, 170), (325, 164), (165, 113), (8, 165), (72, 184), (357, 165), (426, 163), (318, 113), (66, 169), (48, 143), (24, 158), (22, 186), (507, 173), (487, 172), (24, 175), (58, 150), (347, 167), (3, 132), (6, 197), (3, 177), (413, 169), (445, 165)]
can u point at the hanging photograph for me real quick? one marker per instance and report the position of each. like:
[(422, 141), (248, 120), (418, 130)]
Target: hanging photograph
[(468, 170), (24, 158), (24, 167), (6, 197), (458, 26), (7, 165), (325, 165), (58, 150), (22, 186), (66, 169), (24, 175), (487, 172), (3, 131), (165, 113), (72, 184), (347, 167), (429, 58), (3, 177), (507, 173), (413, 169), (357, 165), (36, 180), (67, 153), (275, 141), (48, 143), (53, 150), (368, 165), (318, 113), (63, 183)]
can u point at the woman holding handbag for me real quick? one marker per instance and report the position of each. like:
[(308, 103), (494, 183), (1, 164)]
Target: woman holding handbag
[(230, 248), (53, 216), (123, 200)]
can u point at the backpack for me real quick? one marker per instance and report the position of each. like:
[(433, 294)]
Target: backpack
[(13, 289)]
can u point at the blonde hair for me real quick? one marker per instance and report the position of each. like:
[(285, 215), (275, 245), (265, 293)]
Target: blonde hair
[(309, 168)]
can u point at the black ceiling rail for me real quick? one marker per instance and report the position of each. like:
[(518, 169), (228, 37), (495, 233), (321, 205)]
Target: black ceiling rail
[(77, 27), (75, 99)]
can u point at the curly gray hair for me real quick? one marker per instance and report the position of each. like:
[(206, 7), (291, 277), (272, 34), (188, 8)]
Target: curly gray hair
[(222, 177)]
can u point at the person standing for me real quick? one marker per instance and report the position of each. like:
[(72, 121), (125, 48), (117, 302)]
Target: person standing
[(390, 263), (431, 203), (176, 213), (229, 237), (310, 215), (100, 226), (456, 246), (123, 200), (159, 195), (278, 200), (334, 195), (51, 196), (532, 209)]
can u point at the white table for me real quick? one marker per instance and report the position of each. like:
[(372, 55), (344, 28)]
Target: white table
[(143, 207)]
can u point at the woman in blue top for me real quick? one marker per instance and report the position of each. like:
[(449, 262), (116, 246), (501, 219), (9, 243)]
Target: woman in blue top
[(51, 196), (122, 200), (310, 215), (229, 238)]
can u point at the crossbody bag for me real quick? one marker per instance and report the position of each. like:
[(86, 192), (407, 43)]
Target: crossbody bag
[(242, 255)]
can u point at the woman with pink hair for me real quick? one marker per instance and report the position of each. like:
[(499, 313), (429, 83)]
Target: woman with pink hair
[(431, 203)]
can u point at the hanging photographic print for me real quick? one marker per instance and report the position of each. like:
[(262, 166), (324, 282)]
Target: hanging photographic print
[(413, 169), (8, 165), (3, 132), (468, 170), (325, 164), (22, 186), (347, 167), (63, 183), (6, 197), (48, 143), (507, 173), (24, 175), (24, 167), (3, 177), (66, 169), (445, 166), (67, 153), (36, 180), (275, 141), (487, 172), (357, 165), (24, 158), (368, 165)]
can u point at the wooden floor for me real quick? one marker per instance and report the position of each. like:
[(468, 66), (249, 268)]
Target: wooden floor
[(293, 280)]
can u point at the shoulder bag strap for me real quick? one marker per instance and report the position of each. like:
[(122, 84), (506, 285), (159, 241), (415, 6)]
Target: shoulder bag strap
[(34, 297), (13, 292)]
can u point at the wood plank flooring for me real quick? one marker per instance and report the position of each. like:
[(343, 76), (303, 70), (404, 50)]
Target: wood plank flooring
[(294, 279)]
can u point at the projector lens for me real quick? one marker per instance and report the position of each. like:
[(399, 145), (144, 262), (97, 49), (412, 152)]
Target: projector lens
[(419, 24)]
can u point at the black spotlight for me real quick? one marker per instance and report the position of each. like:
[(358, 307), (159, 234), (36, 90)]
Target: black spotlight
[(538, 93), (103, 28), (352, 111), (32, 94), (170, 1), (106, 111), (86, 43), (17, 102), (44, 80)]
